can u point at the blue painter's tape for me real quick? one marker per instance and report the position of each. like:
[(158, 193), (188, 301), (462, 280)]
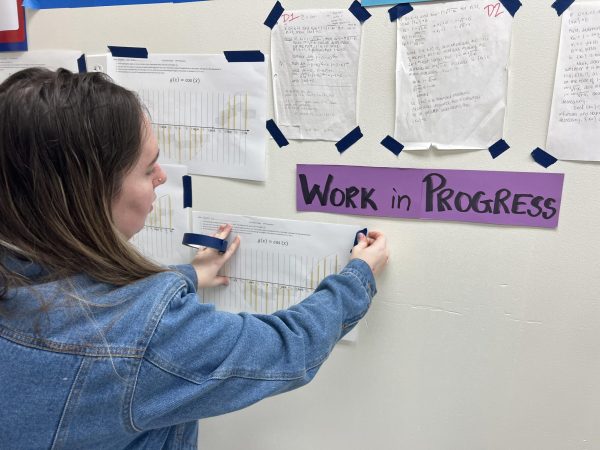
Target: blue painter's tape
[(542, 158), (128, 52), (512, 6), (363, 231), (187, 191), (344, 143), (244, 56), (81, 65), (274, 15), (561, 5), (202, 240), (392, 145), (359, 12), (498, 148), (13, 46), (399, 10), (276, 133)]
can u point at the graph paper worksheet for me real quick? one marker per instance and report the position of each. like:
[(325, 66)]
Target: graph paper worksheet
[(279, 262), (208, 114), (160, 239)]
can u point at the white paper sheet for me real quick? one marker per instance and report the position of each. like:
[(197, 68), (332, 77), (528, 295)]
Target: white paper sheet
[(161, 237), (574, 127), (451, 75), (50, 59), (97, 62), (315, 71), (208, 114), (279, 261), (9, 16)]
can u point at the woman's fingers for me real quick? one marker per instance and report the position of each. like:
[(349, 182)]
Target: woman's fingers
[(231, 249), (219, 281), (223, 231)]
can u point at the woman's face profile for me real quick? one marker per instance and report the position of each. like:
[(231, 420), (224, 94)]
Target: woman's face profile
[(134, 202)]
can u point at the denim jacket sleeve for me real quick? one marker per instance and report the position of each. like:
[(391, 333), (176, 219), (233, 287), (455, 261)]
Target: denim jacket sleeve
[(201, 362)]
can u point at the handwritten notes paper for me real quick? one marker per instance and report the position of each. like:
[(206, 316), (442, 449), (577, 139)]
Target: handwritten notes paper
[(505, 198), (315, 70), (451, 75), (574, 127)]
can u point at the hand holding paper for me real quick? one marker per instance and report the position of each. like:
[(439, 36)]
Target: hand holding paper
[(208, 262)]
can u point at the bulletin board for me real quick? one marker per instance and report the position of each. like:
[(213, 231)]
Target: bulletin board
[(481, 336)]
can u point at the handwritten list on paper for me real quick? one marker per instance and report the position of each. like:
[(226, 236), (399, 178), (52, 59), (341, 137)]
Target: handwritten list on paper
[(451, 75), (574, 127), (315, 70)]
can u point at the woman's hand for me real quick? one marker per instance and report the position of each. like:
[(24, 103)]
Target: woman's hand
[(373, 250), (209, 261)]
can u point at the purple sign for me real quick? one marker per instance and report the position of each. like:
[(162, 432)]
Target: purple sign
[(506, 198)]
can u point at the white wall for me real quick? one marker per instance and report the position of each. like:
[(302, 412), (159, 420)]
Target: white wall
[(481, 337)]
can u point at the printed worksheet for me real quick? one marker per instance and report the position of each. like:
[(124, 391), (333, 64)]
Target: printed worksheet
[(451, 75), (315, 71), (279, 261), (161, 237), (207, 113), (573, 130), (50, 59)]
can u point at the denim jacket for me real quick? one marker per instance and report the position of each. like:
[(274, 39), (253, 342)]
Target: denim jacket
[(86, 365)]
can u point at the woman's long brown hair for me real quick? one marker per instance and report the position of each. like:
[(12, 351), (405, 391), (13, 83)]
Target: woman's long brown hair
[(66, 142)]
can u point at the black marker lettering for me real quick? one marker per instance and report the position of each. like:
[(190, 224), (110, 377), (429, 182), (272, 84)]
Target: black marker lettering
[(517, 203), (487, 204), (365, 197), (499, 200), (442, 199), (548, 204), (333, 195), (535, 203), (430, 189), (458, 203), (351, 192), (397, 200), (309, 196)]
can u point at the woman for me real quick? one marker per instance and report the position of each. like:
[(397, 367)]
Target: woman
[(100, 347)]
